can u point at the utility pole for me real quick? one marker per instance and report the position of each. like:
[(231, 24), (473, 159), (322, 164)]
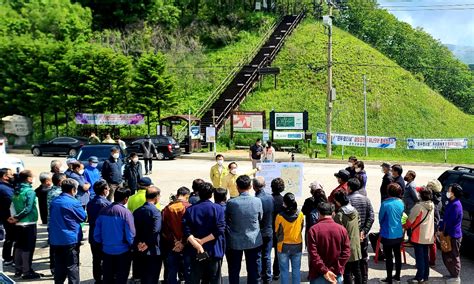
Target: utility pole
[(330, 98), (365, 115), (214, 125)]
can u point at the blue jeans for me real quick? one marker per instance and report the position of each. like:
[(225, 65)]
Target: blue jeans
[(265, 261), (284, 261), (175, 261), (322, 280), (234, 262), (422, 262)]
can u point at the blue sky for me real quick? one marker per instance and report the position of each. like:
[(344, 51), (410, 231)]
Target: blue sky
[(450, 21)]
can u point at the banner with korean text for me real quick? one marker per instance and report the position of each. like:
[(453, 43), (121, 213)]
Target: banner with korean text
[(110, 119), (358, 140), (434, 144)]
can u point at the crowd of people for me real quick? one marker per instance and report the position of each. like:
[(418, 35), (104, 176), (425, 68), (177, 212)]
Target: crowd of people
[(229, 217)]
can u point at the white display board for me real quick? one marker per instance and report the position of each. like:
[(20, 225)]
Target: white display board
[(291, 173)]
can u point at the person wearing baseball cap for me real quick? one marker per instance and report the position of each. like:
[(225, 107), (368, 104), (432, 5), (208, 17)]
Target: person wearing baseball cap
[(138, 199), (91, 173), (342, 178), (386, 180), (69, 163)]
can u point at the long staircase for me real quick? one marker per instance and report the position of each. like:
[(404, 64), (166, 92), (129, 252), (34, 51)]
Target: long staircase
[(233, 90)]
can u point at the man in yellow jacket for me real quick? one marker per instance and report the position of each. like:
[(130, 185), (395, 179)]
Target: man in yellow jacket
[(229, 181), (138, 199), (218, 172)]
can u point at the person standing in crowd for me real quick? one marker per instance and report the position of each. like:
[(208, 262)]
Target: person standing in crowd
[(288, 228), (112, 172), (435, 187), (120, 142), (361, 175), (138, 199), (255, 153), (147, 240), (24, 216), (420, 221), (83, 193), (42, 194), (91, 173), (108, 139), (194, 197), (204, 228), (115, 231), (278, 186), (243, 216), (173, 239), (101, 189), (69, 163), (6, 195), (386, 180), (329, 248), (410, 195), (55, 189), (56, 166), (218, 172), (93, 139), (366, 214), (148, 150), (220, 197), (351, 165), (65, 233), (348, 217), (310, 206), (266, 229), (230, 179), (133, 172), (342, 178), (397, 171), (269, 153), (391, 231), (450, 226)]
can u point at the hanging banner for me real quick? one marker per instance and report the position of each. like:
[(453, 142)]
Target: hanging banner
[(358, 140), (110, 119), (433, 144), (291, 173), (210, 134), (280, 135), (248, 121)]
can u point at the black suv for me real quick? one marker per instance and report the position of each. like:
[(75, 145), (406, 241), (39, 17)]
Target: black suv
[(463, 176), (166, 147)]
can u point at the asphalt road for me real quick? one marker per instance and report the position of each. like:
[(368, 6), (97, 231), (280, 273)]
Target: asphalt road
[(170, 175)]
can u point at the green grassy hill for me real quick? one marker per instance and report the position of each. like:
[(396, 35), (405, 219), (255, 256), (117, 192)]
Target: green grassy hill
[(398, 104)]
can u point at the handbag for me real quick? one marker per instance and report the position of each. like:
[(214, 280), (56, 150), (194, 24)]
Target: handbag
[(417, 225), (445, 241)]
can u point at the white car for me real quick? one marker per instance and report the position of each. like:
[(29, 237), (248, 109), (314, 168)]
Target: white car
[(11, 162)]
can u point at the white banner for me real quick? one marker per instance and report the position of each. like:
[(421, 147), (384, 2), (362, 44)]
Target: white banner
[(358, 140), (210, 134), (265, 135), (291, 173), (441, 144), (279, 135)]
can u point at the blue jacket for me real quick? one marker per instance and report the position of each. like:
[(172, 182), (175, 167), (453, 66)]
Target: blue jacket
[(452, 220), (243, 216), (67, 215), (112, 171), (114, 229), (93, 208), (390, 218), (6, 194), (82, 195), (148, 227), (267, 218), (92, 175), (206, 218)]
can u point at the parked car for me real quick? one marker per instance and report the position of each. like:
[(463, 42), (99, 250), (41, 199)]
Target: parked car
[(166, 147), (463, 176), (11, 162), (68, 146), (101, 151)]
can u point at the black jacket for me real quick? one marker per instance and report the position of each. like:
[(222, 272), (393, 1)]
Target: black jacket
[(112, 171), (386, 180), (132, 174), (148, 227), (366, 212)]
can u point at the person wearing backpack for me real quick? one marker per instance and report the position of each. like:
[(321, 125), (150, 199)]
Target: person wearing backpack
[(420, 222)]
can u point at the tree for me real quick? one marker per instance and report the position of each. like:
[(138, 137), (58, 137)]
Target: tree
[(152, 86)]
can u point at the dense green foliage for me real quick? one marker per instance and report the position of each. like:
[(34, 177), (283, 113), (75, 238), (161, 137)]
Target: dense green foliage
[(415, 50), (399, 105)]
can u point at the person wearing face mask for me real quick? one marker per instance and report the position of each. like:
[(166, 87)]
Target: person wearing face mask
[(112, 172), (255, 153), (410, 195), (42, 194), (148, 149), (397, 171), (218, 172), (361, 175), (56, 167), (83, 193), (6, 195), (230, 179), (351, 165), (91, 173), (24, 214), (65, 233), (133, 172), (450, 225)]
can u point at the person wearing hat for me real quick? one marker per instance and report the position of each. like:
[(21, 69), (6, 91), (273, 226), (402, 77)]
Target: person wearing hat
[(112, 171), (386, 180), (138, 199), (69, 163), (148, 150), (91, 173), (342, 178), (310, 209)]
